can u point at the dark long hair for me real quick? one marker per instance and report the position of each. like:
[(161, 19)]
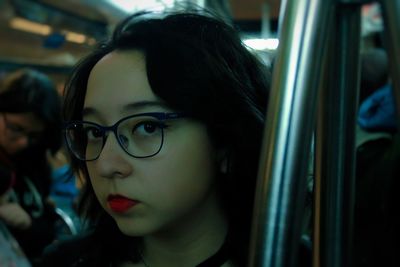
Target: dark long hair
[(197, 64), (28, 90)]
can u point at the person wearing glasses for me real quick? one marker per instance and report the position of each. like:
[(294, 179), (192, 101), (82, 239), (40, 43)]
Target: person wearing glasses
[(30, 127), (164, 122)]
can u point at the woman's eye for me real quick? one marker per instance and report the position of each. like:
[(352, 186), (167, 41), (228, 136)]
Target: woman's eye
[(93, 133), (148, 128)]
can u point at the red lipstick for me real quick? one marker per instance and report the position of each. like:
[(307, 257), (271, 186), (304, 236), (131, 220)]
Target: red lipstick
[(120, 204)]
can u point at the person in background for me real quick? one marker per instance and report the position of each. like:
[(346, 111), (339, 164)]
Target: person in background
[(64, 189), (165, 123), (374, 71), (30, 127), (11, 253), (64, 192), (378, 154)]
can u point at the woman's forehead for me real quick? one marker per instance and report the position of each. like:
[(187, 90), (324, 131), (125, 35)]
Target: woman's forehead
[(117, 81)]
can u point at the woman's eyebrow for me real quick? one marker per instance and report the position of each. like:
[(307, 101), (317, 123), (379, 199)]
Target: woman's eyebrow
[(88, 111), (144, 104), (129, 107)]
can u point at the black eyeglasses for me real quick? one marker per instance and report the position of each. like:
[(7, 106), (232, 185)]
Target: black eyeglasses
[(139, 135)]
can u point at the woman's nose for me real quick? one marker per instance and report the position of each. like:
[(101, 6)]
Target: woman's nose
[(113, 162)]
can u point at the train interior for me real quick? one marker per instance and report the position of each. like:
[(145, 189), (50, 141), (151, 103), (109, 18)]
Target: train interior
[(51, 36)]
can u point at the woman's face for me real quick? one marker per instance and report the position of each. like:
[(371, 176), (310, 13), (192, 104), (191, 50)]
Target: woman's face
[(146, 196), (19, 130)]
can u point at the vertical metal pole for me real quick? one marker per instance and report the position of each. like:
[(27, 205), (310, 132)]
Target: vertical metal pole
[(390, 12), (335, 167), (317, 210), (291, 119)]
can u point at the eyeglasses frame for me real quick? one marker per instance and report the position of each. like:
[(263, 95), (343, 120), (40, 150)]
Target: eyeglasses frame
[(161, 116)]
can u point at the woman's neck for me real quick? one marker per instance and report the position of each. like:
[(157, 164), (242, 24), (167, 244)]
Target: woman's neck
[(198, 237)]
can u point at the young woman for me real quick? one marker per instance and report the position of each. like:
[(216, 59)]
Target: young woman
[(30, 127), (165, 126)]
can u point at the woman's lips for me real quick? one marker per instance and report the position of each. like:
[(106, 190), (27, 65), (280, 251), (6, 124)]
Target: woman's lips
[(120, 204)]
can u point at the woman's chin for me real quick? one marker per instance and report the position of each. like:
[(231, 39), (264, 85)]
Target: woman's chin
[(133, 228)]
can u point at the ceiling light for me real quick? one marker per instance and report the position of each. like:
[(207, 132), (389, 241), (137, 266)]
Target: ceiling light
[(30, 26), (262, 44), (129, 6), (75, 37)]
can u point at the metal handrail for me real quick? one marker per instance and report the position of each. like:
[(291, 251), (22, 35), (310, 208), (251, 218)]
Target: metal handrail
[(281, 188), (318, 59)]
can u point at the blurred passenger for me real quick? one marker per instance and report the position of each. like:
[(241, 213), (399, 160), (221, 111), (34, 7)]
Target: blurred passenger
[(30, 125), (64, 193), (166, 124), (64, 190), (378, 155), (377, 113), (11, 253), (374, 71)]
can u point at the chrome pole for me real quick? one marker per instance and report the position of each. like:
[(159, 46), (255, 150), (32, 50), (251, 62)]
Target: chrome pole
[(290, 123), (335, 141)]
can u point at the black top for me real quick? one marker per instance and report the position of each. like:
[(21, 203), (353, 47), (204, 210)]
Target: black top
[(79, 251)]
